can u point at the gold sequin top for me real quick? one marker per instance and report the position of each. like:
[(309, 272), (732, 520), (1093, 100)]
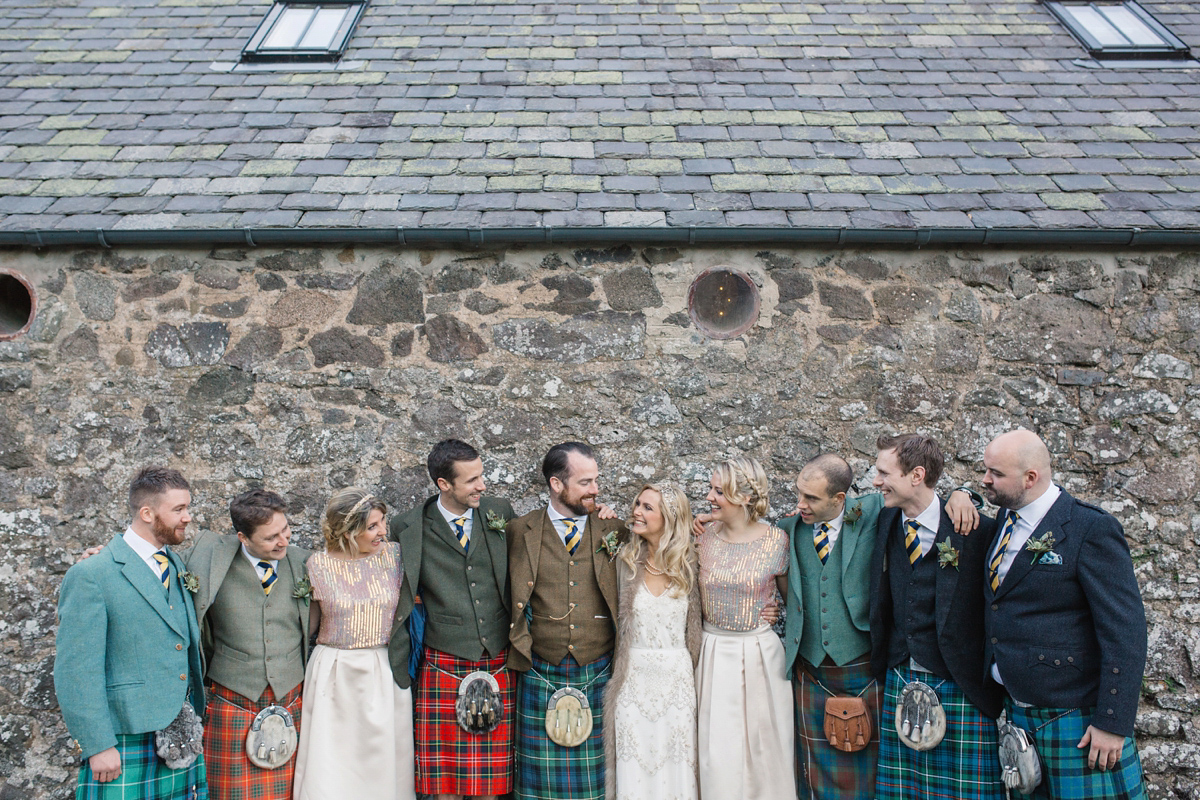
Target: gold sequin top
[(358, 597), (738, 580)]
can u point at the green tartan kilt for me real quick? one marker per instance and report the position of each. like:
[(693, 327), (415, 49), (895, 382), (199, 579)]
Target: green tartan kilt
[(1065, 771), (545, 770), (144, 776), (965, 766)]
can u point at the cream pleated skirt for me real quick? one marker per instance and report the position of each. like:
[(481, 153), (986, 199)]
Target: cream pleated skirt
[(356, 737), (745, 743)]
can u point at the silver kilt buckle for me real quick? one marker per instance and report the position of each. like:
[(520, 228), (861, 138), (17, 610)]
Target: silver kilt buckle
[(568, 717), (478, 708), (271, 740), (920, 718)]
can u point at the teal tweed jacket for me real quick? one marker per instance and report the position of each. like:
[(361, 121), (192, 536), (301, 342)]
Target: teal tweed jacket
[(127, 653), (857, 541)]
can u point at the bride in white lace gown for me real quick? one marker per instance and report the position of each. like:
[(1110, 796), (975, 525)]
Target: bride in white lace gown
[(650, 704)]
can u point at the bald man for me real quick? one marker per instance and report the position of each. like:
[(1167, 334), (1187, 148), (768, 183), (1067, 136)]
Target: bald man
[(1066, 630)]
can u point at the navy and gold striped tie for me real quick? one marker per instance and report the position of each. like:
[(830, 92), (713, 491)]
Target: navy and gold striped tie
[(912, 542), (164, 567), (1001, 549), (460, 528), (574, 535), (269, 576), (821, 541)]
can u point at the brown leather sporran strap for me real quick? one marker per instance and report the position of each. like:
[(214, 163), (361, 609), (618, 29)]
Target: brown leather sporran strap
[(848, 723)]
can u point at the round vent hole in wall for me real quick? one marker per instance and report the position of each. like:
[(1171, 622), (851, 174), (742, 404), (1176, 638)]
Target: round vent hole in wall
[(18, 304), (723, 303)]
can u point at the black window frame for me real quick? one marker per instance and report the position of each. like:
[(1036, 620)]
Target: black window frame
[(1172, 47), (256, 51)]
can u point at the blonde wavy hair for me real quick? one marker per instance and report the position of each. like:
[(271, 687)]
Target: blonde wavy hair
[(676, 550), (346, 516), (743, 481)]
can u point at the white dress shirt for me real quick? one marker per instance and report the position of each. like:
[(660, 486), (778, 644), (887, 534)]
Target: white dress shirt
[(451, 516), (835, 527), (254, 563), (560, 527), (144, 550), (929, 520), (1029, 517)]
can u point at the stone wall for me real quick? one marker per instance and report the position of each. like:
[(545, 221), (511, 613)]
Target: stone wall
[(308, 370)]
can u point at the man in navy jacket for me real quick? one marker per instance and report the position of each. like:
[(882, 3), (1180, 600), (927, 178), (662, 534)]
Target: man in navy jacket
[(1066, 630)]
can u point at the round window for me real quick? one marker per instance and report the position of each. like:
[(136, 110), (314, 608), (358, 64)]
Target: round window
[(18, 304), (723, 303)]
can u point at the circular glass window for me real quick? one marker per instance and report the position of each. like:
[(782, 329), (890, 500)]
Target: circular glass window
[(18, 303), (723, 303)]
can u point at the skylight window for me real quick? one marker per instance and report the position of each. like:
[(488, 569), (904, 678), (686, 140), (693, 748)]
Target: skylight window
[(304, 31), (1122, 30)]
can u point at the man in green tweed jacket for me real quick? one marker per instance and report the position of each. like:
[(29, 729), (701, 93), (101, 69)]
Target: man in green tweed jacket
[(128, 649), (255, 636), (456, 561)]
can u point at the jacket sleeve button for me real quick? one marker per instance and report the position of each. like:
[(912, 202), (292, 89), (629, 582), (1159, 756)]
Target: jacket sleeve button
[(1112, 691)]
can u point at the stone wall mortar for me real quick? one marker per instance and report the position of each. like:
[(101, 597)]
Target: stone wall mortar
[(312, 369)]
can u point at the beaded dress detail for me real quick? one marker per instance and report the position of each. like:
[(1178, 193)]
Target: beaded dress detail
[(737, 580), (656, 707), (358, 597)]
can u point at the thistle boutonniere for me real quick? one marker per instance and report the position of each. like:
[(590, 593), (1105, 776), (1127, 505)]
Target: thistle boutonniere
[(947, 555), (303, 590), (1040, 547), (853, 513), (495, 523), (190, 582), (610, 544)]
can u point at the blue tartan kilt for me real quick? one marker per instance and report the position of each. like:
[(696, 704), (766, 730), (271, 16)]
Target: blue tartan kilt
[(965, 766), (144, 776), (1065, 771), (545, 770)]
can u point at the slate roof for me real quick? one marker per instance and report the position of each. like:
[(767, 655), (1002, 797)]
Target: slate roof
[(863, 114)]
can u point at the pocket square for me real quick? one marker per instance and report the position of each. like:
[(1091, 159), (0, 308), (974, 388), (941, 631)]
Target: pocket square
[(1050, 558)]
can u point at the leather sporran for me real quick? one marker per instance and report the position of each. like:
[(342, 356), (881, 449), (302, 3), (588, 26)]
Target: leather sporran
[(848, 723), (568, 717), (271, 740), (182, 741), (478, 707), (1019, 759), (920, 718)]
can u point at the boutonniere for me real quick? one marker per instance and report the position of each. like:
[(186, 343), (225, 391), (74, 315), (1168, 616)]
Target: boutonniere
[(1040, 547), (303, 590), (854, 513), (190, 582), (495, 523), (610, 544), (947, 555)]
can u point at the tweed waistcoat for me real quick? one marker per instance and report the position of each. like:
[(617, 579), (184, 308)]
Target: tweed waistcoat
[(828, 627), (914, 625), (585, 630), (465, 606), (256, 637)]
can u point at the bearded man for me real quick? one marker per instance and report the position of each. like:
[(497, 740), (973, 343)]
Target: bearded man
[(564, 607), (127, 658)]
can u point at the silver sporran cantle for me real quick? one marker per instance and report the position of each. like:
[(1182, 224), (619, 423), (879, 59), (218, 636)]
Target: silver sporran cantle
[(920, 718), (568, 717), (1019, 759), (479, 708), (182, 741), (271, 739)]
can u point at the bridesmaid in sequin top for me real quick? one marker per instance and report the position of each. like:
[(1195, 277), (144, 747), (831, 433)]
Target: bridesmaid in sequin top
[(357, 736), (745, 721)]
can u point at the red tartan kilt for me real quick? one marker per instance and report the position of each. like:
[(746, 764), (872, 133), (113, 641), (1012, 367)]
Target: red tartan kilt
[(450, 760), (231, 776)]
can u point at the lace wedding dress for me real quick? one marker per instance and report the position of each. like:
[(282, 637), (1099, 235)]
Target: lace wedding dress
[(655, 711)]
